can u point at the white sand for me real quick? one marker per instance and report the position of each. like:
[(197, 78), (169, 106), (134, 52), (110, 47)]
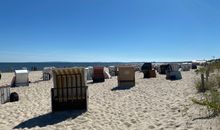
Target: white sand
[(152, 104)]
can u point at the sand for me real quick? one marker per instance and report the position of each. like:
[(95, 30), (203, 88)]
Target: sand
[(153, 104)]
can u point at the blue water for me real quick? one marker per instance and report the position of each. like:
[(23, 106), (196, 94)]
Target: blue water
[(10, 67)]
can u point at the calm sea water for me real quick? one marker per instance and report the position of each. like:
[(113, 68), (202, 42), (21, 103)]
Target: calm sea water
[(9, 67)]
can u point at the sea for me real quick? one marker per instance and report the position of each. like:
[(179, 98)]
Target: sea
[(10, 67)]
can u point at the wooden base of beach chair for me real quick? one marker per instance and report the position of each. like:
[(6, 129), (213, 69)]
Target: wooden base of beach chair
[(21, 84), (149, 74), (65, 102), (174, 75), (153, 74), (69, 105), (97, 80), (126, 83)]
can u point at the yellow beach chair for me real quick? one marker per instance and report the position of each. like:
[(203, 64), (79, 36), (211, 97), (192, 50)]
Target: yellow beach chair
[(70, 89)]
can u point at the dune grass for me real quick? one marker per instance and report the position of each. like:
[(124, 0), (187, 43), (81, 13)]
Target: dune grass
[(211, 101), (210, 85)]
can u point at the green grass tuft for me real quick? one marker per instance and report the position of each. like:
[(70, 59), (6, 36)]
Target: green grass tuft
[(212, 83)]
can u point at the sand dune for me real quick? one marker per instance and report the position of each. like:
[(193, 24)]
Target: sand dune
[(155, 103)]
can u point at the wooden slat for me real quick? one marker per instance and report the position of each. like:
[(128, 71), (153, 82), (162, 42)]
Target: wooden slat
[(69, 84)]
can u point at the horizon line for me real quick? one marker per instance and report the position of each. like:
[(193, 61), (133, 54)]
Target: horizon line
[(93, 61)]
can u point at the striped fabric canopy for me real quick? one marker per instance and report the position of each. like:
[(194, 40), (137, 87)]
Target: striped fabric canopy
[(69, 77), (68, 71)]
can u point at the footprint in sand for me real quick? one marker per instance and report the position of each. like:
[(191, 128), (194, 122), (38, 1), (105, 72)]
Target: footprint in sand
[(151, 127), (158, 124), (122, 120), (163, 115), (173, 118), (133, 121), (127, 124), (174, 109)]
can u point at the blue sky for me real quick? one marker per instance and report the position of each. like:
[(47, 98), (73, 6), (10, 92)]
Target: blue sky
[(109, 30)]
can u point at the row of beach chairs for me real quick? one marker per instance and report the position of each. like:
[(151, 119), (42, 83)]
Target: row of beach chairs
[(20, 79), (172, 71), (70, 90)]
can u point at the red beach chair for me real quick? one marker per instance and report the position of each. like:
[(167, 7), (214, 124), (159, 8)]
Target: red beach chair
[(98, 74)]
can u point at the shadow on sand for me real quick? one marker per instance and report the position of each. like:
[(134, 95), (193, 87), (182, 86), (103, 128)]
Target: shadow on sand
[(49, 119), (94, 82), (121, 88), (38, 81)]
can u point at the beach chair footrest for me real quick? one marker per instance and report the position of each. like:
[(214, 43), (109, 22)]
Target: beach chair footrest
[(97, 80), (126, 83)]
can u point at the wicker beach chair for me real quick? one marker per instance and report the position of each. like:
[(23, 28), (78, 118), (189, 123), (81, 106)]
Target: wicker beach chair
[(194, 66), (163, 69), (148, 70), (173, 72), (4, 94), (21, 78), (70, 89), (146, 66), (126, 76), (98, 74)]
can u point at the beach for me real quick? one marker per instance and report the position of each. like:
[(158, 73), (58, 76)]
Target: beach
[(152, 104)]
